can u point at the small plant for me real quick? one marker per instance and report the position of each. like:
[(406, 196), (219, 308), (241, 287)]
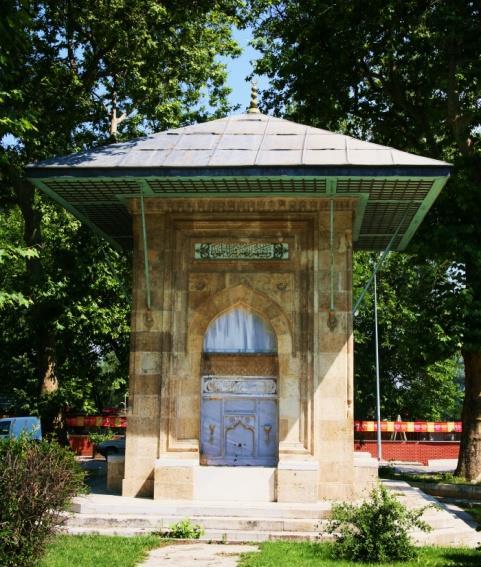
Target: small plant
[(37, 481), (96, 438), (184, 529), (451, 478), (387, 471), (376, 530)]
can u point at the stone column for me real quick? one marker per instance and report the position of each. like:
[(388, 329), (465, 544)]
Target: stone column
[(333, 381), (145, 360)]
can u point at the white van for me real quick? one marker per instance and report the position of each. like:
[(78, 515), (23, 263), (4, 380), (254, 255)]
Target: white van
[(13, 427)]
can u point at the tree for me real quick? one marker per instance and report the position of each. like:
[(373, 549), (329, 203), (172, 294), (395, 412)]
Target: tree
[(12, 259), (75, 75), (84, 300), (418, 343), (404, 74)]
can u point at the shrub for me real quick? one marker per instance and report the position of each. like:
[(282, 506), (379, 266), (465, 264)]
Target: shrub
[(37, 481), (376, 530), (185, 529), (99, 437)]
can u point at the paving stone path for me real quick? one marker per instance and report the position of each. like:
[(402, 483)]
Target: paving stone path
[(451, 526), (197, 555)]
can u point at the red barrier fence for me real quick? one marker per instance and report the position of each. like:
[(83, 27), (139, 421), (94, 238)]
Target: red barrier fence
[(410, 426), (411, 451), (96, 421), (81, 445), (359, 426)]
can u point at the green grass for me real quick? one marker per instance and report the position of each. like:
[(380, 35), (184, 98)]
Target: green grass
[(99, 551), (473, 509), (445, 478), (279, 554)]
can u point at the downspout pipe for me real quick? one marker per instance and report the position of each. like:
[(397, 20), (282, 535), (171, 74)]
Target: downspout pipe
[(146, 255)]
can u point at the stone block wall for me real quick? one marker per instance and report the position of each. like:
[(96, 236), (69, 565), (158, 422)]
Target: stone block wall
[(306, 298)]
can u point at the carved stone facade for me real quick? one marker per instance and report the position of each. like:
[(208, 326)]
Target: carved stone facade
[(304, 294)]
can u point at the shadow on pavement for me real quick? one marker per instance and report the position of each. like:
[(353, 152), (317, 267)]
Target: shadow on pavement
[(96, 477)]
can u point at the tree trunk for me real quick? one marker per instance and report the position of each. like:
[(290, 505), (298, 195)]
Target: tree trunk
[(45, 339), (43, 334), (46, 367), (469, 464)]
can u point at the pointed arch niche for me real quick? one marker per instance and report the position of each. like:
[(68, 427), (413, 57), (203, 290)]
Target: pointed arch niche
[(239, 421), (262, 346), (239, 331)]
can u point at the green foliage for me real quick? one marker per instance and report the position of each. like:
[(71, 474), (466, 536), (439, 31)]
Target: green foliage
[(405, 74), (418, 339), (12, 262), (376, 530), (37, 481), (99, 437), (310, 554), (432, 478), (474, 510), (67, 69), (99, 551), (79, 311), (184, 529)]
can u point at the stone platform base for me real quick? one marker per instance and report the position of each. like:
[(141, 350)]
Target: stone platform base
[(185, 479), (365, 474), (235, 484), (291, 481)]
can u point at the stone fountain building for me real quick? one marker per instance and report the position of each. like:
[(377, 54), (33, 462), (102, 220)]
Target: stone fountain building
[(242, 231)]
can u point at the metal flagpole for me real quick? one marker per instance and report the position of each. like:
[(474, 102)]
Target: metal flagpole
[(378, 386)]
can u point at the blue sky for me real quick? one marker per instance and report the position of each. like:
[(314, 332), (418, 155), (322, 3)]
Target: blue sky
[(238, 69)]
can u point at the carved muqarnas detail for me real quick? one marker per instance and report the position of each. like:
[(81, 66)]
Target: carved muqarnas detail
[(241, 251)]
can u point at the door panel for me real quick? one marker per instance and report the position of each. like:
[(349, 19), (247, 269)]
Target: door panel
[(211, 430), (238, 429), (267, 428), (239, 435), (239, 405)]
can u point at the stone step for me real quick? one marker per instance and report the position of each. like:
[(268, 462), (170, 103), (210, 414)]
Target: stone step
[(441, 519), (448, 537), (115, 505), (211, 535), (258, 536), (95, 530), (254, 521), (440, 536), (209, 522)]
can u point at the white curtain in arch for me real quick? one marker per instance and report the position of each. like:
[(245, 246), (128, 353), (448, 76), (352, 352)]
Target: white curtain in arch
[(239, 330)]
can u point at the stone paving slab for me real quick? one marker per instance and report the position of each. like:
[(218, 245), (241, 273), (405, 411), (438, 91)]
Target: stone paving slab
[(451, 525), (197, 555)]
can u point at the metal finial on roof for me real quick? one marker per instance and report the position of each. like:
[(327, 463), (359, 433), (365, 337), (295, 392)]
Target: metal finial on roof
[(253, 106)]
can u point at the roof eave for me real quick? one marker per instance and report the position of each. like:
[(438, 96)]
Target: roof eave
[(442, 170)]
